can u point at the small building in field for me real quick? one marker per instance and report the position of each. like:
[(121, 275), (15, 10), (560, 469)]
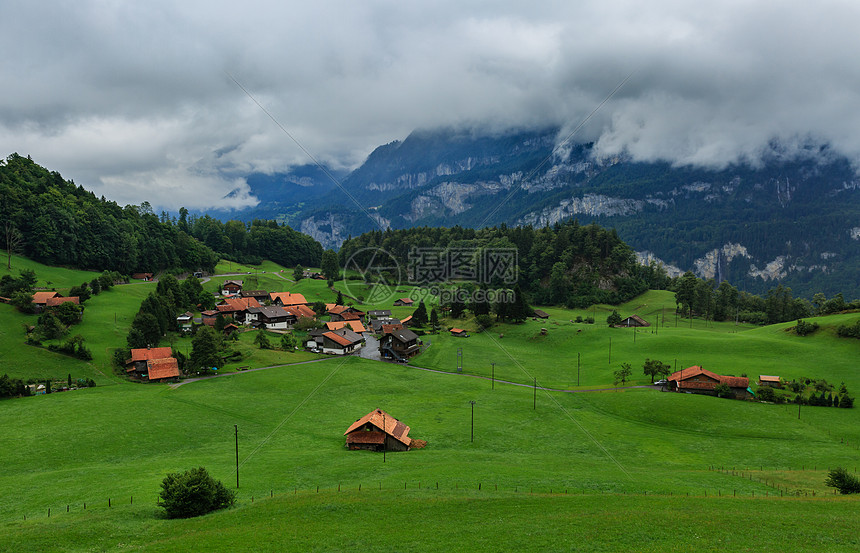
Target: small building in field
[(231, 287), (633, 321), (462, 333), (142, 276), (162, 369), (404, 302), (344, 313), (400, 345), (769, 380), (140, 357), (696, 380), (59, 300), (541, 314), (40, 299), (378, 431)]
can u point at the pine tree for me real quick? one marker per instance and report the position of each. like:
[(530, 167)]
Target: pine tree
[(419, 317), (434, 320)]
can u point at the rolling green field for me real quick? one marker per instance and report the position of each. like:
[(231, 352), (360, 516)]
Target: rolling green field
[(635, 469)]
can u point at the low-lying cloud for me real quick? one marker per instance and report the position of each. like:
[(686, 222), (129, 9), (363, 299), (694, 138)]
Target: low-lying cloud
[(136, 102)]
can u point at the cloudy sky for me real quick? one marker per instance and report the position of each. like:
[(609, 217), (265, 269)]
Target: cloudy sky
[(137, 100)]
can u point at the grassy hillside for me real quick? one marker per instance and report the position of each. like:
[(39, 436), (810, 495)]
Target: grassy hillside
[(595, 471)]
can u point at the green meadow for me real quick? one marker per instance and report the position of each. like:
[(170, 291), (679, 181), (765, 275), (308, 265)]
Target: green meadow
[(634, 469)]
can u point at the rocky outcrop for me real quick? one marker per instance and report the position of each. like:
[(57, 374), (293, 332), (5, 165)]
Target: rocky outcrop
[(713, 263), (590, 204)]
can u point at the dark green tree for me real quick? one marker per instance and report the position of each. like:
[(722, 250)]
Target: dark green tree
[(205, 348), (613, 319), (49, 326), (262, 340), (843, 481), (147, 325), (288, 342), (329, 265), (653, 367), (623, 374), (434, 320), (298, 273), (419, 316), (193, 493)]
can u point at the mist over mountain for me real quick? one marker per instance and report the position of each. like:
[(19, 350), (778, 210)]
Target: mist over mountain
[(792, 217)]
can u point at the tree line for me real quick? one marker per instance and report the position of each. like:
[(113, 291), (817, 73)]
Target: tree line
[(56, 222)]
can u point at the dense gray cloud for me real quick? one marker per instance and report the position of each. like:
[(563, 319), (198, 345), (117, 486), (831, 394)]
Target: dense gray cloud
[(135, 100)]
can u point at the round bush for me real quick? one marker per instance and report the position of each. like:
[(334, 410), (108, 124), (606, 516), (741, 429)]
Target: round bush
[(193, 493)]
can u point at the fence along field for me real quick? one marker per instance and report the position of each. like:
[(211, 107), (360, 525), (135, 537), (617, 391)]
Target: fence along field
[(118, 441)]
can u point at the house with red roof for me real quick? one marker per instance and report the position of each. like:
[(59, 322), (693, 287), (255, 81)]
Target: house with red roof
[(404, 302), (378, 431), (162, 369), (459, 332), (633, 321), (341, 342), (231, 287), (141, 356), (696, 380), (236, 307), (345, 313), (355, 326), (286, 299)]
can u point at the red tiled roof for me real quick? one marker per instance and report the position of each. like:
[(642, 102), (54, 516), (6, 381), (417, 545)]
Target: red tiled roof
[(43, 297), (685, 375), (385, 422), (144, 354), (287, 298), (356, 326), (457, 330), (337, 338), (387, 329), (302, 311), (162, 368), (237, 304), (407, 301), (53, 302), (350, 316)]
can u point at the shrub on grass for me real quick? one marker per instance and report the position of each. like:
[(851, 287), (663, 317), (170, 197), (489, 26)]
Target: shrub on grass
[(724, 391), (804, 328), (840, 479), (766, 393), (193, 493)]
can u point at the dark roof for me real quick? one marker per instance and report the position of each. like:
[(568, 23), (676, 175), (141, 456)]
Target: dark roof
[(636, 319), (541, 314), (404, 335), (270, 311)]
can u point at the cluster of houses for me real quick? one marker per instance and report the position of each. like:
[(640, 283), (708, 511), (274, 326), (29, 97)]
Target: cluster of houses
[(44, 300), (343, 334)]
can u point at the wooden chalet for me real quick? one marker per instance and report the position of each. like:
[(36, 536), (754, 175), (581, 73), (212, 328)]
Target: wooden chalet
[(286, 299), (379, 314), (459, 332), (769, 380), (633, 321), (260, 295), (236, 307), (140, 357), (400, 345), (301, 311), (696, 380), (186, 321), (403, 302), (40, 299), (344, 313), (377, 324), (142, 276), (541, 314), (378, 431), (341, 342), (208, 317), (231, 287), (389, 328), (161, 369), (270, 317), (315, 338)]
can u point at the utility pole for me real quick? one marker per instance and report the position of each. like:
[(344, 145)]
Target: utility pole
[(473, 418), (577, 368), (236, 427), (610, 351), (384, 437), (535, 399), (493, 376)]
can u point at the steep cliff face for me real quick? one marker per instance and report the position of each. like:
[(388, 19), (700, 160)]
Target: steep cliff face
[(751, 225)]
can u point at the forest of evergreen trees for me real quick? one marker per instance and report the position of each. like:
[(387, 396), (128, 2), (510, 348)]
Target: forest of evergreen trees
[(51, 220)]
